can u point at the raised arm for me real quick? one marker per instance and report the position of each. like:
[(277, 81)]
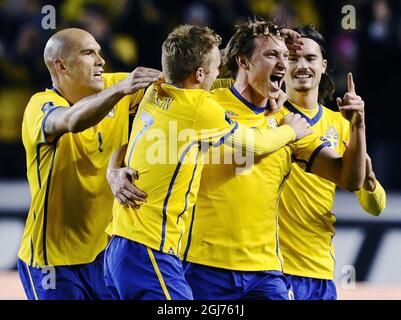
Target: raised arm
[(91, 110), (348, 172)]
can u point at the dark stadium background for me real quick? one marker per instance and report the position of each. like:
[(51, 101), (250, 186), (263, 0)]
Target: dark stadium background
[(131, 33)]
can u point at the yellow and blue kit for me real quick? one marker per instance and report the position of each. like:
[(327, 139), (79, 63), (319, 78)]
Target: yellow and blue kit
[(234, 224), (166, 147), (305, 212), (71, 201)]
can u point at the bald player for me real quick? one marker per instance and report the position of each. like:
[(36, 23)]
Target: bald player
[(69, 133)]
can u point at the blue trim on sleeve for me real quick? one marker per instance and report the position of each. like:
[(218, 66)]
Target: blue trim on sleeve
[(170, 188), (315, 153), (44, 123), (312, 121), (189, 234), (222, 139), (250, 105)]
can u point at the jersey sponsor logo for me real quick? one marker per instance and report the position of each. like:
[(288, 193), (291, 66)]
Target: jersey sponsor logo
[(47, 107), (272, 122), (331, 135)]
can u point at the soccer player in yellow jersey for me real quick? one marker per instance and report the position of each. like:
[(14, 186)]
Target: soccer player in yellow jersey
[(231, 247), (305, 217), (176, 120), (69, 133)]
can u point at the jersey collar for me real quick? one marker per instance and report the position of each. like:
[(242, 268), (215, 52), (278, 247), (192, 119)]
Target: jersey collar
[(251, 106), (312, 121), (56, 91)]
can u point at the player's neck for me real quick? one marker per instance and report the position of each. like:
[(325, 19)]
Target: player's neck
[(71, 94), (304, 99), (64, 93), (249, 93), (188, 83)]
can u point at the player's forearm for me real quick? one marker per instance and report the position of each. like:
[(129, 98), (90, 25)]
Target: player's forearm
[(91, 110), (373, 202), (116, 160), (83, 114), (353, 166), (261, 141)]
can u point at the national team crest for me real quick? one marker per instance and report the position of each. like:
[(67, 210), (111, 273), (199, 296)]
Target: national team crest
[(331, 135), (272, 122)]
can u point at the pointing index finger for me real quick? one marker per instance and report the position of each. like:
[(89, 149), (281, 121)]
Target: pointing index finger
[(350, 83)]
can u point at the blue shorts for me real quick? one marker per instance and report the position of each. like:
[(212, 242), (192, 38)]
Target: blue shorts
[(312, 289), (209, 283), (76, 282), (135, 272)]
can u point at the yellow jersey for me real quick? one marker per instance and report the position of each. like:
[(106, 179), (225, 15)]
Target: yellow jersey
[(71, 200), (234, 224), (305, 217), (167, 147)]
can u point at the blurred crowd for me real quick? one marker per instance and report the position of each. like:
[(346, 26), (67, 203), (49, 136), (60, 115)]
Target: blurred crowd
[(131, 32)]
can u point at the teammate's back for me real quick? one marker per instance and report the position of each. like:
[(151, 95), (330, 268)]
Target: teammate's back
[(166, 148)]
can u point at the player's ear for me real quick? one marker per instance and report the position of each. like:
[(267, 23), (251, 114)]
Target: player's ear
[(324, 65), (200, 75), (59, 66), (242, 62)]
